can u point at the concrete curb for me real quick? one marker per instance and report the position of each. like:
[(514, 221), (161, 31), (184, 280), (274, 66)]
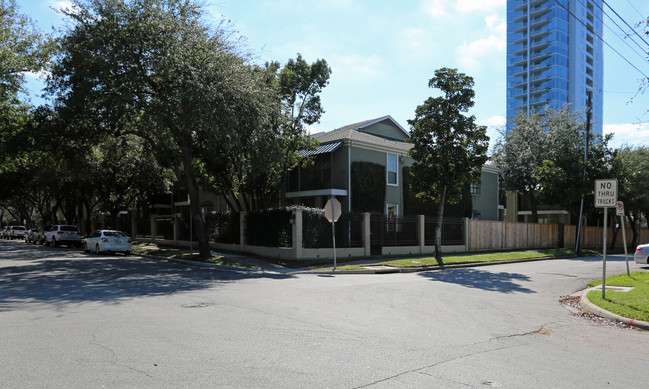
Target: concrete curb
[(428, 268), (384, 270), (590, 307), (201, 264)]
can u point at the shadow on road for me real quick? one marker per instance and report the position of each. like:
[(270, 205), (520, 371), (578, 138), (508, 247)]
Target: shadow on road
[(61, 276), (481, 279)]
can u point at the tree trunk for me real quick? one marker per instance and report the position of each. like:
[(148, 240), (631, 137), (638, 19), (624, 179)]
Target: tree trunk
[(633, 224), (195, 204), (438, 228), (616, 232), (227, 201)]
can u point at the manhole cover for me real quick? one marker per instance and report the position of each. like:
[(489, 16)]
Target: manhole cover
[(197, 305)]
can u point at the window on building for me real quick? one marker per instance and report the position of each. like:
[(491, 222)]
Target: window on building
[(393, 169), (475, 189), (475, 215)]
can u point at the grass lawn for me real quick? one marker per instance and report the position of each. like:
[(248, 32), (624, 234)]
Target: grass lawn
[(457, 258), (633, 304), (153, 249)]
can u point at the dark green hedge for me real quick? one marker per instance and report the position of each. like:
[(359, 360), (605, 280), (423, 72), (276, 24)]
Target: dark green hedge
[(368, 187), (270, 228), (223, 227)]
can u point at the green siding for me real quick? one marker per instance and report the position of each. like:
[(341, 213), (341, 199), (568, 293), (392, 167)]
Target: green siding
[(487, 201), (393, 194), (385, 129)]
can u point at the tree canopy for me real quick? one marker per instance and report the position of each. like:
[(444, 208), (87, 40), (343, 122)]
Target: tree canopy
[(449, 148)]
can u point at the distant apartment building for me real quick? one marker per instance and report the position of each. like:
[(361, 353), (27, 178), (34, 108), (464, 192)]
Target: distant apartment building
[(554, 56)]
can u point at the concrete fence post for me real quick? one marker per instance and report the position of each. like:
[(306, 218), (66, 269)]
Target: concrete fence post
[(154, 228), (421, 232), (467, 235), (242, 229), (367, 235), (176, 227), (297, 233)]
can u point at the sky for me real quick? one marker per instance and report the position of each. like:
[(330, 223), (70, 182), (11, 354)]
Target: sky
[(383, 52)]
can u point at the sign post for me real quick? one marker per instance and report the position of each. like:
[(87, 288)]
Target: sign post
[(332, 213), (605, 197), (619, 210)]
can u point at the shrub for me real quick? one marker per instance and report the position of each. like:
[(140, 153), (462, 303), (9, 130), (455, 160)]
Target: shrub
[(368, 187), (223, 227)]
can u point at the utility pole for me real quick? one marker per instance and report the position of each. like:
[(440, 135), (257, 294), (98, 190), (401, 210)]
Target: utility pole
[(589, 108)]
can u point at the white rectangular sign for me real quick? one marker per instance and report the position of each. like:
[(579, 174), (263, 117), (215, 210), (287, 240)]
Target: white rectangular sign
[(606, 193)]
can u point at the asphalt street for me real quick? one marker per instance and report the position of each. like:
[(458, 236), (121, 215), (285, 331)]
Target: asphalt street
[(70, 319)]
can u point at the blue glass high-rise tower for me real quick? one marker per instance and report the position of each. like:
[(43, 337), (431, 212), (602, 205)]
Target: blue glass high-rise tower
[(554, 56)]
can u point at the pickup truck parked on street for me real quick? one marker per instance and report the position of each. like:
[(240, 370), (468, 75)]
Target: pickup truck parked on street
[(17, 232)]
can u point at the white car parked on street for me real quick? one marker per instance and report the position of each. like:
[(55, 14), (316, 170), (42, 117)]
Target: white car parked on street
[(63, 234), (641, 255), (108, 240)]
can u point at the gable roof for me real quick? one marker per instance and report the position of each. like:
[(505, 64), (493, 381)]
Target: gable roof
[(351, 133), (366, 123)]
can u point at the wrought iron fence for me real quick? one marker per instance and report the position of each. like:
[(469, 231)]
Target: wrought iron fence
[(400, 231), (452, 231), (316, 231)]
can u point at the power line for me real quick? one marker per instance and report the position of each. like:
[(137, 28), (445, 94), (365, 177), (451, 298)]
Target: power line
[(626, 34), (624, 40), (602, 39), (622, 19), (636, 10)]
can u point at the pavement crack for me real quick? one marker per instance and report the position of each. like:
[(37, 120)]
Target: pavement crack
[(94, 342), (132, 368), (540, 331)]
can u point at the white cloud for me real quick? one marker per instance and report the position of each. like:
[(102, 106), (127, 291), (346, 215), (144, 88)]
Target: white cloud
[(417, 40), (312, 130), (62, 5), (435, 8), (352, 67), (494, 121), (478, 5), (469, 54), (633, 134), (496, 25)]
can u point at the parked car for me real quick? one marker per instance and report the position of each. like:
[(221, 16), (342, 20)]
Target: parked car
[(17, 232), (31, 235), (108, 240), (63, 234), (39, 238), (641, 255)]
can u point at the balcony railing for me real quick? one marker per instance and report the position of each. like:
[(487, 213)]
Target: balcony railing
[(315, 179)]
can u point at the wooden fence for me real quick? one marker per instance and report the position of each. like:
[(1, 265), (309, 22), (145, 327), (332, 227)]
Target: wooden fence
[(496, 235)]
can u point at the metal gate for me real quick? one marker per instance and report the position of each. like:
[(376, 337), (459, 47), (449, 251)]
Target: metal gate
[(377, 221)]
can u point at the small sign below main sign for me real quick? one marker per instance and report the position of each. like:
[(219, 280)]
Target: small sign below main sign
[(619, 208), (606, 193)]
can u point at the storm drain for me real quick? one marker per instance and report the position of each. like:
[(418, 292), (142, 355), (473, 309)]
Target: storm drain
[(197, 305)]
